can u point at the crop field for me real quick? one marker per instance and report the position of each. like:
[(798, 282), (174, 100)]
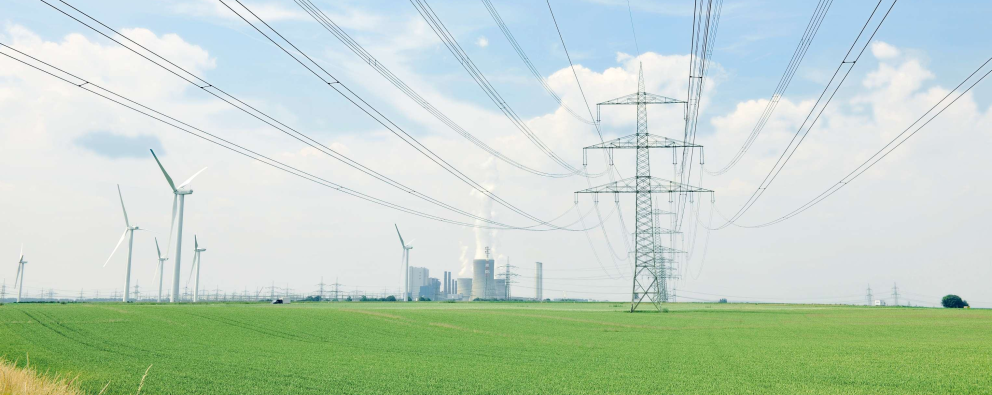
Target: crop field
[(503, 348)]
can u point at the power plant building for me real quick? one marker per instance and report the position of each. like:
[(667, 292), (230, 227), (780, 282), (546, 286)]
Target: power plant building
[(449, 284), (464, 288), (419, 277), (430, 291), (483, 279), (500, 289)]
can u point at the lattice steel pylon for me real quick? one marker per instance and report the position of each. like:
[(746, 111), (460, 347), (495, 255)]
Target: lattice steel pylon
[(664, 257), (648, 274)]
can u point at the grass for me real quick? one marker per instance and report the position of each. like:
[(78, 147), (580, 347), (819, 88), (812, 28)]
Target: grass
[(504, 348), (22, 380)]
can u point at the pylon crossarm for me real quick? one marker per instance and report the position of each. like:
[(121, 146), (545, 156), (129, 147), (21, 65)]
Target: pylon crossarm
[(664, 231), (641, 98), (653, 141), (657, 185)]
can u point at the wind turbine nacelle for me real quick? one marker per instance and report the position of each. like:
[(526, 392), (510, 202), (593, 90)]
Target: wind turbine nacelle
[(184, 191)]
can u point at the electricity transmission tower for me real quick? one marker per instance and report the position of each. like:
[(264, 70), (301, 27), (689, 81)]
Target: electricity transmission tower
[(321, 285), (870, 299), (664, 257), (895, 294), (337, 286), (643, 186), (507, 278)]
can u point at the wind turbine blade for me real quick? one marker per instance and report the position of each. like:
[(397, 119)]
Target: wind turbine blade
[(156, 273), (401, 236), (172, 224), (167, 178), (21, 255), (18, 277), (196, 243), (191, 178), (191, 267), (116, 247), (126, 222), (158, 249)]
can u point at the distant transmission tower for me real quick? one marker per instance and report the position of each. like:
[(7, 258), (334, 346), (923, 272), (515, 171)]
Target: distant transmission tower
[(337, 292), (664, 257), (895, 294), (507, 278), (321, 285), (3, 291), (642, 185), (871, 300)]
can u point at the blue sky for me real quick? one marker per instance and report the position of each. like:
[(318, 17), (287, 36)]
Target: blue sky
[(252, 215), (755, 41)]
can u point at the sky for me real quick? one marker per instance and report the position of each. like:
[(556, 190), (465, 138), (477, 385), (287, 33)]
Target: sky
[(915, 220)]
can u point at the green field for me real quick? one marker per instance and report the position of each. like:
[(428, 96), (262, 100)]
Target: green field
[(513, 348)]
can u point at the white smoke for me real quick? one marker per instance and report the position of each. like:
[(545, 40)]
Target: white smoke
[(484, 237)]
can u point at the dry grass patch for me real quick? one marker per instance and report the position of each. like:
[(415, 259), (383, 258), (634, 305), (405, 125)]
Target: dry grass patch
[(16, 380)]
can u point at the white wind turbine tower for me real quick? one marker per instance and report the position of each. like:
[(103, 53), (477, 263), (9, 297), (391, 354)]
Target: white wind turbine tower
[(128, 229), (161, 265), (180, 193), (406, 265), (19, 280), (196, 266)]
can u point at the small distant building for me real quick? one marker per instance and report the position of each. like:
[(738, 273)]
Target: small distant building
[(879, 302)]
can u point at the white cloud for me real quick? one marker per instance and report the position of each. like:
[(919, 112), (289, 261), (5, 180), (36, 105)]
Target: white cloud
[(482, 42), (884, 50)]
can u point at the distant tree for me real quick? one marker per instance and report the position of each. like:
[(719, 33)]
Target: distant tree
[(348, 299), (363, 299), (953, 302), (723, 300), (312, 298), (423, 299), (390, 298)]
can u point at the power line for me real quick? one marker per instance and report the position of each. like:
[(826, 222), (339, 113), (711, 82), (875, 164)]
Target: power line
[(704, 28), (449, 41), (607, 154), (797, 57), (372, 112), (328, 24), (892, 145), (530, 65), (175, 123), (818, 109), (633, 32), (261, 116)]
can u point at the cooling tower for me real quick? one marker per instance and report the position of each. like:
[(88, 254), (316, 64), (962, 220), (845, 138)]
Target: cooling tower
[(483, 284), (464, 287)]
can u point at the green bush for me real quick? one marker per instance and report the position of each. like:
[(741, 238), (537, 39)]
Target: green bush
[(953, 302)]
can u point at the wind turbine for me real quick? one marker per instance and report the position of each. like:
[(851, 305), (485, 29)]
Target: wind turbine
[(161, 265), (196, 266), (19, 280), (406, 265), (180, 193), (128, 229)]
